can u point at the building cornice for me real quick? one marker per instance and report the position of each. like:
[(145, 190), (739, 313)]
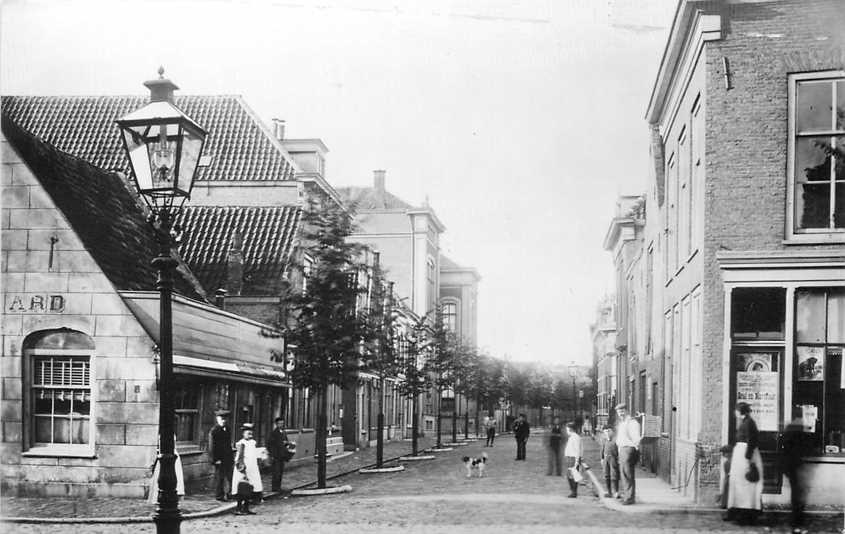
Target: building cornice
[(691, 28), (780, 259)]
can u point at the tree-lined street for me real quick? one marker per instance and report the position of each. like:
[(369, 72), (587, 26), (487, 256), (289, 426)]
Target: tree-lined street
[(436, 497)]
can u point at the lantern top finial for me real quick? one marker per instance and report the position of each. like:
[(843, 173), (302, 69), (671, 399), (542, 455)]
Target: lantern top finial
[(161, 72)]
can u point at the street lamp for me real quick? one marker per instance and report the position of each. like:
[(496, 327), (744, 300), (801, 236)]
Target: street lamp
[(573, 372), (164, 147)]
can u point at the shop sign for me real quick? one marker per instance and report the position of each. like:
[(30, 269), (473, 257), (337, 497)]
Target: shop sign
[(760, 390), (35, 303)]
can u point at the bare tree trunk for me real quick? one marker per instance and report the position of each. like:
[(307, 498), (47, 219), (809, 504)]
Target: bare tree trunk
[(439, 397), (321, 437), (380, 425), (415, 422)]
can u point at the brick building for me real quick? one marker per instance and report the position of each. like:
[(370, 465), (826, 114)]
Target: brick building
[(748, 188)]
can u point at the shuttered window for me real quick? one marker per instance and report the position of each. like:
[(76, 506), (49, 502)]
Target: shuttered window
[(61, 399)]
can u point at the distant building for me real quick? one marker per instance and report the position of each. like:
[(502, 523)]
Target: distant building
[(603, 332)]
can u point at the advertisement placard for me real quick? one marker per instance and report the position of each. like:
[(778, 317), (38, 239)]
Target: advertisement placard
[(760, 391)]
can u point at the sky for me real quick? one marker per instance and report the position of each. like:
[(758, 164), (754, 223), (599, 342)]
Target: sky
[(521, 121)]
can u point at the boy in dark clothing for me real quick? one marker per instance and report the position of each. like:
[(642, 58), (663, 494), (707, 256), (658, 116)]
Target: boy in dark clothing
[(521, 431), (610, 463), (555, 447)]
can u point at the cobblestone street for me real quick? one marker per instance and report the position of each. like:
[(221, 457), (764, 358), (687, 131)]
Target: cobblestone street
[(435, 496)]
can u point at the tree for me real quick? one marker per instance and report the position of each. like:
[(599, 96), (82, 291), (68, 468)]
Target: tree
[(381, 354), (415, 375), (442, 363), (322, 329)]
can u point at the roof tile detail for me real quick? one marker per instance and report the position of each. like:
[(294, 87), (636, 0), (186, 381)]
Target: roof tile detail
[(83, 126), (267, 233), (367, 198)]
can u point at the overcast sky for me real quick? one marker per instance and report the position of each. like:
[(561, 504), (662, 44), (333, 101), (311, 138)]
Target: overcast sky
[(521, 120)]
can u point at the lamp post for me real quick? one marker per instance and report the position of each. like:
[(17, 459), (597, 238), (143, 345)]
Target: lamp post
[(573, 372), (164, 147)]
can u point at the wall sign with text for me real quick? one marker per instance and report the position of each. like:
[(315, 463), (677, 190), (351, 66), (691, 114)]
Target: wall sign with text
[(30, 303)]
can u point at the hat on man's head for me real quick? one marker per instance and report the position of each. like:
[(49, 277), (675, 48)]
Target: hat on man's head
[(621, 406), (222, 413), (247, 426)]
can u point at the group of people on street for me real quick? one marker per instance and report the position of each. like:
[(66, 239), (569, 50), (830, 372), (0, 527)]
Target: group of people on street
[(236, 471)]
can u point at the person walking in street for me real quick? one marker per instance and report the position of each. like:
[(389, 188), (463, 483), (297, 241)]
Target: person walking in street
[(490, 427), (277, 448), (555, 444), (220, 450), (628, 442), (610, 463), (246, 477), (745, 493), (794, 449), (573, 453), (521, 431)]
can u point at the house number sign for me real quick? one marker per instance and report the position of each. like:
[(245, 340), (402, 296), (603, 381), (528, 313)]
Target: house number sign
[(35, 304)]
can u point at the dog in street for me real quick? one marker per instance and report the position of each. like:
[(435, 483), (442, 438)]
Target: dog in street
[(475, 464)]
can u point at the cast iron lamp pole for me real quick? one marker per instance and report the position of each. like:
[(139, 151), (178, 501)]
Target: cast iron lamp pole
[(163, 146), (572, 373)]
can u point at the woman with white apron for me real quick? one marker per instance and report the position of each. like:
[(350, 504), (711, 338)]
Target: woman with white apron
[(152, 497), (745, 489)]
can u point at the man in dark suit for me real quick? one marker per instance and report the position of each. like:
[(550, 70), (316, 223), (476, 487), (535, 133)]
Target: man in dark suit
[(277, 448), (220, 450), (521, 431)]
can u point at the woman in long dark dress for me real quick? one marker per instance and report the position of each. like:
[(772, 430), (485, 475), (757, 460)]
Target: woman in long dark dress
[(745, 498)]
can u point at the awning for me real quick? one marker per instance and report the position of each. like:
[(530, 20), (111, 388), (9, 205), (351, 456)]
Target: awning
[(240, 371), (208, 341)]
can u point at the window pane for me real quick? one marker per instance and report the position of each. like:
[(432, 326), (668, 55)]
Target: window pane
[(43, 430), (836, 316), (812, 161), (758, 313), (809, 316), (61, 403), (813, 105), (839, 213), (43, 402), (61, 430), (812, 205), (840, 106), (834, 402), (80, 430)]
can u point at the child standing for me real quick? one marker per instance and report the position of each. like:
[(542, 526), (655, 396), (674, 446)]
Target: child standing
[(610, 463), (246, 478)]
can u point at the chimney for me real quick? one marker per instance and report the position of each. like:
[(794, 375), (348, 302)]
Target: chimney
[(279, 129), (235, 266), (220, 298), (378, 182), (161, 90)]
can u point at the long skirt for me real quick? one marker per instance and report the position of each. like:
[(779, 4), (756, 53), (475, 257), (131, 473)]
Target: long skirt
[(742, 494), (152, 497)]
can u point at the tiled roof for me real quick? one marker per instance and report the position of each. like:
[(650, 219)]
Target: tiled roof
[(240, 146), (267, 240), (101, 210), (367, 198)]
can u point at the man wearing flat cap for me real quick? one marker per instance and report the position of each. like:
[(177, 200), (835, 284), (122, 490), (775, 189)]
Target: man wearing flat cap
[(220, 450), (628, 441)]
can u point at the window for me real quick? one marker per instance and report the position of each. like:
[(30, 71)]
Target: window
[(307, 268), (817, 151), (186, 404), (450, 316), (670, 253), (61, 400), (757, 313), (683, 191), (696, 191), (819, 385)]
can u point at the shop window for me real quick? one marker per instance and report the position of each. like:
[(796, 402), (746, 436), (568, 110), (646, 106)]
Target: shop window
[(819, 389), (758, 313), (818, 175), (186, 406)]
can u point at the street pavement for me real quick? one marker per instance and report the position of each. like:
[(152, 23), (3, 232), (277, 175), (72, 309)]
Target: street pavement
[(435, 497)]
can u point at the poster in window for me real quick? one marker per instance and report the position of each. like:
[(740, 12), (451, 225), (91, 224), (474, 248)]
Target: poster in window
[(760, 391), (810, 363), (758, 362)]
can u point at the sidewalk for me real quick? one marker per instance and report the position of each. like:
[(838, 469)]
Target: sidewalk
[(654, 495), (198, 504)]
